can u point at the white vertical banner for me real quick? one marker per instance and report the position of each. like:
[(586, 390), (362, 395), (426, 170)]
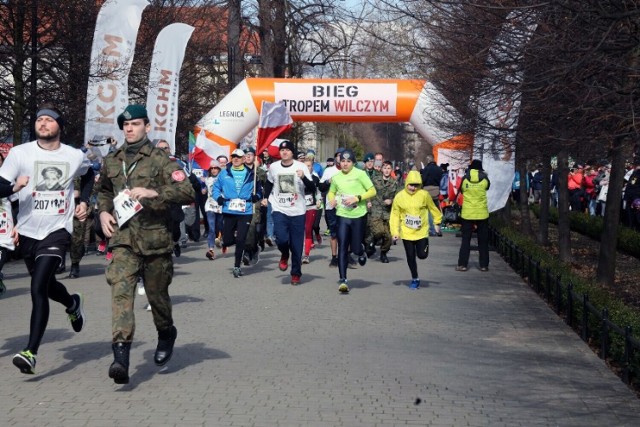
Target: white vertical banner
[(499, 105), (114, 42), (164, 81)]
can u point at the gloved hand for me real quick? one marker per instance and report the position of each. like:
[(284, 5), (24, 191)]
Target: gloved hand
[(254, 198), (220, 200)]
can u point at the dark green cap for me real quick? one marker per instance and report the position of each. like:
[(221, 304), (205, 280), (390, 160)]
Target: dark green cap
[(133, 111)]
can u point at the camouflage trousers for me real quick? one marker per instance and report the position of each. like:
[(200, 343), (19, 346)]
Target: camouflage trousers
[(76, 250), (253, 234), (122, 275), (379, 230)]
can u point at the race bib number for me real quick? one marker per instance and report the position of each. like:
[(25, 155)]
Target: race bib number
[(5, 224), (238, 205), (286, 199), (50, 202), (342, 201), (308, 199), (414, 222), (125, 207), (213, 206)]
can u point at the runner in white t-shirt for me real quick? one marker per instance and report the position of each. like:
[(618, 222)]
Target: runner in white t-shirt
[(284, 189), (45, 220), (329, 211)]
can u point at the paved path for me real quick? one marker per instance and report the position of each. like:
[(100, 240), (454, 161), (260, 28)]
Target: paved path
[(468, 349)]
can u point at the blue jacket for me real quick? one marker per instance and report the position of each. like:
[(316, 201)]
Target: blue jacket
[(225, 186)]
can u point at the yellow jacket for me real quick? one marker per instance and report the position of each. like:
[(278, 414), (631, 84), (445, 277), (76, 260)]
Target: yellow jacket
[(409, 212)]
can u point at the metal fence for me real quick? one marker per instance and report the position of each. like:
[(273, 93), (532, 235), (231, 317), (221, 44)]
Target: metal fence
[(616, 344)]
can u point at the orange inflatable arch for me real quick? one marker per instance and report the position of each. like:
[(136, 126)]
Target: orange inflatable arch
[(325, 100)]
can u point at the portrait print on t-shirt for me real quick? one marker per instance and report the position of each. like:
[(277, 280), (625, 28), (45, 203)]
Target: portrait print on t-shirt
[(51, 176), (49, 195), (286, 183)]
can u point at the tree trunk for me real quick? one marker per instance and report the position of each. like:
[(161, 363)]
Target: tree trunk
[(605, 274), (543, 221), (234, 51), (524, 200), (266, 37), (564, 230), (17, 73)]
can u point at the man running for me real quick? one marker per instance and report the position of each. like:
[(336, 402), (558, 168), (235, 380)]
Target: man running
[(45, 221)]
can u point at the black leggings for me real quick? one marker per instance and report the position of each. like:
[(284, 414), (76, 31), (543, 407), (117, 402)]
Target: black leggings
[(44, 286), (350, 235), (4, 257), (234, 232), (413, 248)]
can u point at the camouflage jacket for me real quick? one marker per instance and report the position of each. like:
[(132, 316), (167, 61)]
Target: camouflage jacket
[(147, 232), (385, 189)]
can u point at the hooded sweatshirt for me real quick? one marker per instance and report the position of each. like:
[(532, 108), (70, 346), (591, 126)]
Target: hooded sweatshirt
[(409, 212)]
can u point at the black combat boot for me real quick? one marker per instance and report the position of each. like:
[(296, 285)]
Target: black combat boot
[(383, 258), (74, 273), (119, 369), (370, 250), (166, 340)]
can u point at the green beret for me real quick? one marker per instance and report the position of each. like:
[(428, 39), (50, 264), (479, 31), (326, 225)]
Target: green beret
[(133, 111)]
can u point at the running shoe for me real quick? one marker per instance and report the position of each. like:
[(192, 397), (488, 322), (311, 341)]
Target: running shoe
[(246, 257), (362, 259), (284, 263), (383, 258), (237, 272), (327, 232), (76, 315), (25, 361), (218, 242), (295, 279), (147, 307), (141, 290), (3, 288), (305, 260), (334, 261), (318, 238), (269, 241), (109, 256), (177, 250), (102, 247), (255, 258), (343, 288), (210, 255), (352, 262), (415, 284)]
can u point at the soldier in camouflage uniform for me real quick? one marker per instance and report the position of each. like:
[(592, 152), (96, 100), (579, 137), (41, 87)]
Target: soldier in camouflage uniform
[(379, 210), (137, 185)]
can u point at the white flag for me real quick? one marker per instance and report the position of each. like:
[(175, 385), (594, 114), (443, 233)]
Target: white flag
[(112, 52), (499, 106), (164, 81)]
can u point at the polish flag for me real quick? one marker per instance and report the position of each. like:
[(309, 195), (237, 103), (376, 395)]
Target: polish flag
[(274, 120), (207, 150)]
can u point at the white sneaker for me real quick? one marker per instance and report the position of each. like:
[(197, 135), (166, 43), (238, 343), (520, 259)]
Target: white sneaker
[(141, 290), (148, 307), (305, 260)]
